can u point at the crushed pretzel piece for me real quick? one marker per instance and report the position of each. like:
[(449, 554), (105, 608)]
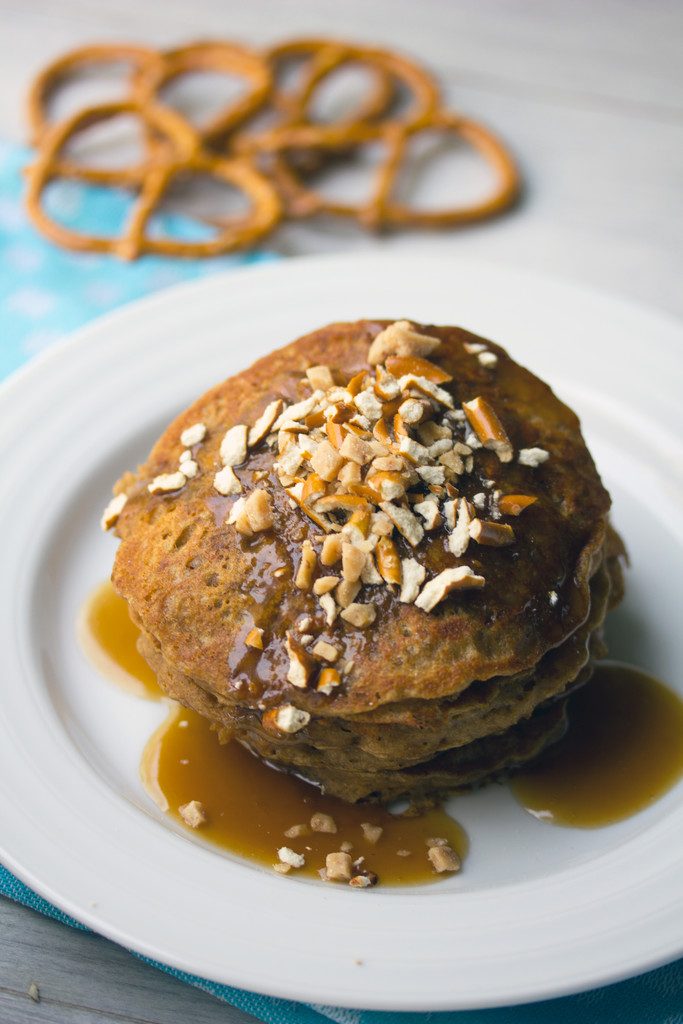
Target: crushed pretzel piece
[(298, 411), (370, 576), (429, 511), (338, 867), (297, 831), (368, 404), (193, 435), (460, 578), (234, 445), (325, 583), (353, 561), (532, 457), (402, 366), (328, 680), (349, 474), (412, 411), (264, 424), (431, 431), (254, 638), (434, 475), (166, 482), (405, 522), (193, 813), (289, 719), (381, 525), (259, 510), (300, 664), (496, 535), (226, 481), (413, 576), (513, 504), (326, 651), (304, 574), (388, 561), (329, 606), (321, 822), (288, 856), (389, 484), (443, 858), (401, 338), (235, 512), (113, 511), (413, 451), (346, 592), (459, 539), (331, 550), (357, 450), (326, 461), (488, 428), (359, 615), (320, 377), (371, 833)]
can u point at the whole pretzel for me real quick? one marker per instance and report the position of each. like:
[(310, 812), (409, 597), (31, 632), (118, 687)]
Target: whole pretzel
[(228, 58), (48, 80), (292, 107), (505, 192), (380, 211), (299, 131), (324, 57), (424, 91), (269, 166), (180, 154)]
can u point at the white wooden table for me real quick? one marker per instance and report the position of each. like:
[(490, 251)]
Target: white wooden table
[(591, 96)]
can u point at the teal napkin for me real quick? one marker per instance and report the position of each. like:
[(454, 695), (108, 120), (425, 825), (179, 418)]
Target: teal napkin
[(44, 294)]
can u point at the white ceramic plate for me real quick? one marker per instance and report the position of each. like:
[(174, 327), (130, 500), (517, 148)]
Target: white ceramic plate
[(539, 910)]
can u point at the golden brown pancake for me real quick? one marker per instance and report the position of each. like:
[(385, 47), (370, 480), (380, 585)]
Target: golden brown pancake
[(416, 683)]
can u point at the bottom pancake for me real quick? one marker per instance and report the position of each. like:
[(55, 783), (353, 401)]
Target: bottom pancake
[(490, 729)]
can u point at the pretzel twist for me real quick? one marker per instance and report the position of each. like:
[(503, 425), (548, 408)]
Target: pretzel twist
[(269, 166), (180, 153)]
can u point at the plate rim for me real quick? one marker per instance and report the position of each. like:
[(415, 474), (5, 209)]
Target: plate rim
[(116, 319)]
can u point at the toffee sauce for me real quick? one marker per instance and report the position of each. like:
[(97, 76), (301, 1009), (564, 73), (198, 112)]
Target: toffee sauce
[(109, 640), (622, 751), (250, 805)]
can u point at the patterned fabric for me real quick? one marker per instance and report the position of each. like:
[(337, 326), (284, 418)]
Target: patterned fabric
[(44, 294)]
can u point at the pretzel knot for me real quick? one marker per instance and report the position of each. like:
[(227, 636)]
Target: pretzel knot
[(271, 167), (381, 210), (178, 152)]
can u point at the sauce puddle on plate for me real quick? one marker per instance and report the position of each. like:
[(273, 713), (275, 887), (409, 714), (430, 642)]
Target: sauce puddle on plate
[(248, 805), (622, 751), (109, 638)]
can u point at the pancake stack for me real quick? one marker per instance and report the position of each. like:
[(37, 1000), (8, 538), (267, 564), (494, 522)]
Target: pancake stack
[(380, 558)]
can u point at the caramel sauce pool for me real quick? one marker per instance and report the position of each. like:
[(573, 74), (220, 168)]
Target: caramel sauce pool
[(249, 806), (622, 751), (109, 638)]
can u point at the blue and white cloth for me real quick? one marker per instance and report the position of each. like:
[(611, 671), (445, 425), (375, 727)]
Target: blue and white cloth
[(45, 293)]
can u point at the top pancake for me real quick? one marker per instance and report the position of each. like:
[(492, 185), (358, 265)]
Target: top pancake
[(197, 587)]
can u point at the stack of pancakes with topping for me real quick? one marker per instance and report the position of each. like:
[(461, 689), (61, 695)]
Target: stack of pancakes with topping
[(380, 558)]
